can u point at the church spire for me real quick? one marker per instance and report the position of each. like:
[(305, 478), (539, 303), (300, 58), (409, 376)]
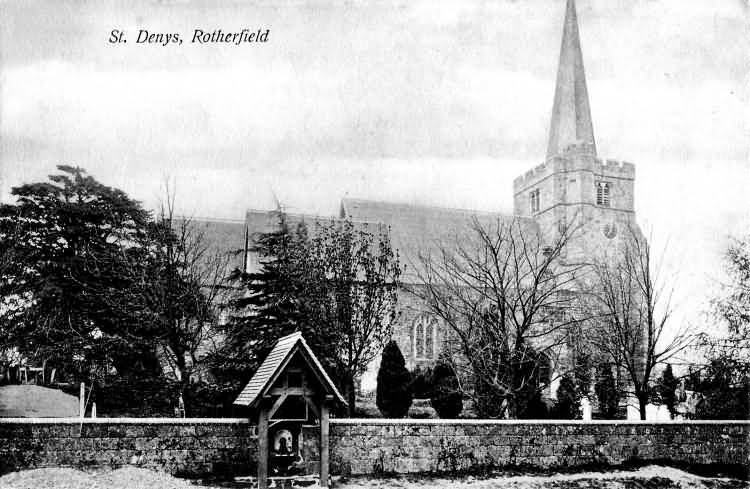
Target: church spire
[(571, 115)]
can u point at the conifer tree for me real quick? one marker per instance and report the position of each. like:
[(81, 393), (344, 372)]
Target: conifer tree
[(446, 395), (270, 303), (393, 395), (606, 392), (568, 404)]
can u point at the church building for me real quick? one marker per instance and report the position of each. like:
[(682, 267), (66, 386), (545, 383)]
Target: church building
[(572, 184)]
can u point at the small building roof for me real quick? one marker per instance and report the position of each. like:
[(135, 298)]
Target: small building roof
[(275, 363)]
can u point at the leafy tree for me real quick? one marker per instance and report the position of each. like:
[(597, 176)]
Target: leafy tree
[(726, 390), (96, 288), (606, 392), (354, 292), (568, 405), (667, 389), (734, 305), (446, 398), (393, 396)]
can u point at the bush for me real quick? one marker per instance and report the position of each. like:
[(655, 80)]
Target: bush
[(446, 397), (135, 396), (606, 392), (210, 400), (667, 389), (568, 405), (422, 383), (393, 395), (534, 407)]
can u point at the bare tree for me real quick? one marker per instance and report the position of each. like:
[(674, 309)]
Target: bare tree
[(192, 291), (507, 298), (631, 304)]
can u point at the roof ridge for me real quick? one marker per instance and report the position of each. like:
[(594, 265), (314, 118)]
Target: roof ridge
[(332, 218), (289, 336), (210, 219), (436, 207)]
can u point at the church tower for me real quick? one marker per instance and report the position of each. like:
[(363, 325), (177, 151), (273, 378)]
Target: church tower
[(573, 186)]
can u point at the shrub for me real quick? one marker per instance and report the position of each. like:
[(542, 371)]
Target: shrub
[(135, 396), (446, 397), (606, 392), (667, 388), (393, 395), (422, 383), (534, 407), (568, 405)]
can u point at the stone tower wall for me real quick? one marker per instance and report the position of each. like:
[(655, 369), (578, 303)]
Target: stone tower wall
[(567, 187)]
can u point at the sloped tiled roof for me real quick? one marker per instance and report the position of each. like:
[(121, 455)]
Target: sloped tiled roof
[(274, 364), (417, 231), (220, 236), (260, 222)]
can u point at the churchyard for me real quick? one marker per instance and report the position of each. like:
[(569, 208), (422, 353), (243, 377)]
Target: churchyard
[(388, 345)]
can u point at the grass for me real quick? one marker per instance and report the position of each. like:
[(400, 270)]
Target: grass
[(33, 401)]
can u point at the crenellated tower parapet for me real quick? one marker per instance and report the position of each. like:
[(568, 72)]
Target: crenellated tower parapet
[(578, 188)]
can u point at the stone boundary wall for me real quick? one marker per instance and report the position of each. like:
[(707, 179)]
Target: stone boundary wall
[(226, 447), (371, 446), (183, 447)]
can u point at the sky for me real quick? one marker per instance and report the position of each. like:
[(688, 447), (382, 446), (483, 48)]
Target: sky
[(439, 103)]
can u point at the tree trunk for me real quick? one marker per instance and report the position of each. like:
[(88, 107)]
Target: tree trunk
[(351, 394), (184, 381), (642, 402)]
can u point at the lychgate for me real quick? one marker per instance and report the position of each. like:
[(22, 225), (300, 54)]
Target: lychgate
[(289, 390)]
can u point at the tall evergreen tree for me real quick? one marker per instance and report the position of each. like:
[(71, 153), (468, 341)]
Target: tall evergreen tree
[(80, 264), (269, 303), (393, 395), (606, 392)]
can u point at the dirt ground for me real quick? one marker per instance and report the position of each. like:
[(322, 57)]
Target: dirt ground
[(133, 478), (651, 477)]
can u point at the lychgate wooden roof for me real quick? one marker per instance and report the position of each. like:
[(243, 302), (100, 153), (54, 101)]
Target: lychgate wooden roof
[(274, 364)]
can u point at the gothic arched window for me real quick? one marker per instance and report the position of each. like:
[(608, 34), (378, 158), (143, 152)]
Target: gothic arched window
[(425, 329)]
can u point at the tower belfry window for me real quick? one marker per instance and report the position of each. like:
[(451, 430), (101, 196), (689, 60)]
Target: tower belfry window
[(602, 193), (534, 196)]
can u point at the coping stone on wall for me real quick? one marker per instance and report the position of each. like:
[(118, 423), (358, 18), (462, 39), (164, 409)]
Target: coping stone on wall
[(421, 421), (186, 421)]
